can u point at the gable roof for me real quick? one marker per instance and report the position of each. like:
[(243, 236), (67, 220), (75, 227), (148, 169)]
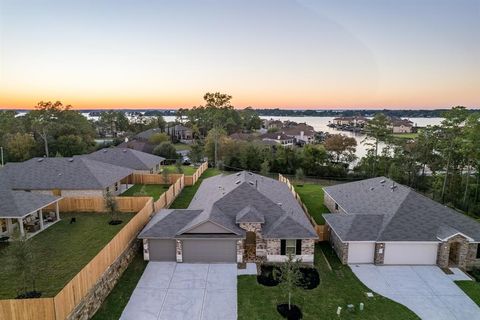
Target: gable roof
[(77, 173), (145, 135), (227, 200), (395, 212), (125, 157), (17, 204), (139, 145)]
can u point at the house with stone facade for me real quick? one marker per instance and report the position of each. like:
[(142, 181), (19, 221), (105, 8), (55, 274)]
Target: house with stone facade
[(382, 222), (242, 217), (140, 162), (68, 177)]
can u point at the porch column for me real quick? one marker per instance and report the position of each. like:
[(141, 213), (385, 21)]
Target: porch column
[(20, 225), (57, 211), (40, 215), (9, 226)]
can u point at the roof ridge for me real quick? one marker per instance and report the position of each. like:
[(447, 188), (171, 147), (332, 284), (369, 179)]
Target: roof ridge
[(389, 219)]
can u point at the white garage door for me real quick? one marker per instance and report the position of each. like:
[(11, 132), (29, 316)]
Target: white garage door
[(410, 253), (361, 252)]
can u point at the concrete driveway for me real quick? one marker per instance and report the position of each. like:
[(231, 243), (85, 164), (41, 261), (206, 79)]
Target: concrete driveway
[(170, 291), (426, 290)]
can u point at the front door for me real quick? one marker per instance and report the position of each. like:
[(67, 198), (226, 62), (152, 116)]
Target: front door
[(250, 247), (454, 254)]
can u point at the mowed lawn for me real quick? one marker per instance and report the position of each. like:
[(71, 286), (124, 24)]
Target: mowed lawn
[(116, 301), (187, 170), (61, 251), (338, 287), (183, 200), (472, 289), (151, 190), (312, 196)]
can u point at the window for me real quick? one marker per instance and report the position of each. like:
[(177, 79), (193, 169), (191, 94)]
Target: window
[(116, 186), (478, 251), (290, 247), (336, 206)]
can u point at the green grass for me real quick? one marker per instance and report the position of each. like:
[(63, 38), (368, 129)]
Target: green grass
[(312, 196), (187, 170), (183, 200), (405, 135), (151, 190), (182, 146), (61, 251), (338, 287), (471, 288), (116, 301)]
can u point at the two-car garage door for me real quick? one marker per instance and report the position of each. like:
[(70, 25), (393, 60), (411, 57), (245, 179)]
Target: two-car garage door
[(411, 253), (195, 250)]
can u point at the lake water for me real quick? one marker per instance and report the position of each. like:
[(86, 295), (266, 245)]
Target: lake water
[(321, 124)]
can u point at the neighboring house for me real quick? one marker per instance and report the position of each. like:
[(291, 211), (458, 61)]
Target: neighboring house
[(181, 133), (243, 136), (147, 134), (382, 222), (68, 177), (140, 162), (278, 137), (357, 121), (272, 124), (241, 217), (302, 133), (26, 212), (139, 145), (401, 126)]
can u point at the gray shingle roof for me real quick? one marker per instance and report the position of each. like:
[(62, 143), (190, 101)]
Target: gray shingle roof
[(17, 204), (145, 135), (250, 214), (125, 157), (77, 173), (221, 198), (406, 214), (166, 223)]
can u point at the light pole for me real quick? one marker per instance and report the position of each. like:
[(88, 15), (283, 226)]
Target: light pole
[(1, 154)]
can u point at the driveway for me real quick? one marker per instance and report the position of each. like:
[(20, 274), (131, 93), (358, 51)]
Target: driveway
[(426, 290), (170, 291)]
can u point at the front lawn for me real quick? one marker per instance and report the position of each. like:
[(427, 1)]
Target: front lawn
[(149, 190), (312, 196), (338, 287), (184, 198), (471, 288), (117, 300), (61, 251), (182, 146), (187, 170)]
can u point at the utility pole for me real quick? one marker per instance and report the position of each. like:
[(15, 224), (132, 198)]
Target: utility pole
[(1, 154)]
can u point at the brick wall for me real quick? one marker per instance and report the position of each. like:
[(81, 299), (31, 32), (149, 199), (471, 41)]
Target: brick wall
[(341, 248)]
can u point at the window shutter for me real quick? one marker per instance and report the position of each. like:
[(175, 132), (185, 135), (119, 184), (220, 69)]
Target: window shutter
[(298, 250), (282, 247)]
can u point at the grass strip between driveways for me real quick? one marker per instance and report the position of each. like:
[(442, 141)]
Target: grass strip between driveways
[(312, 196), (471, 288), (116, 301), (338, 287)]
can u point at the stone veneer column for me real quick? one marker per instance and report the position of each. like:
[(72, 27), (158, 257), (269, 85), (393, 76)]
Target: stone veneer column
[(379, 252), (146, 252), (308, 246), (240, 251), (179, 250), (341, 248), (466, 255)]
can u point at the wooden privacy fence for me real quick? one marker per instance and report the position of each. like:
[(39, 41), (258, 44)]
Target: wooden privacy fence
[(60, 306), (155, 178), (320, 229), (191, 180), (97, 204)]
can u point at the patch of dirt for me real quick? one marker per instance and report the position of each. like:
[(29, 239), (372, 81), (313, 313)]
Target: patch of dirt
[(294, 313)]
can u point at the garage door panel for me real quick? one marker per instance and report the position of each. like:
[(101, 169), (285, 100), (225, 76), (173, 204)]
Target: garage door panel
[(161, 250), (361, 252), (209, 251), (411, 253)]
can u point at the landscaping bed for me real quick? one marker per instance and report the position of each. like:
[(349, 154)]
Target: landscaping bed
[(310, 277), (60, 252), (146, 190), (338, 287), (312, 197)]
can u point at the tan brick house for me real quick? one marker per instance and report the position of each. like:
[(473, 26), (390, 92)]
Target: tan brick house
[(241, 217), (379, 221)]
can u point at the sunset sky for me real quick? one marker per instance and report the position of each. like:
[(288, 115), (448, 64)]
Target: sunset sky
[(279, 53)]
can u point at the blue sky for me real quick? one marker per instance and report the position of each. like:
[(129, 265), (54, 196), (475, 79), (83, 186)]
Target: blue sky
[(314, 54)]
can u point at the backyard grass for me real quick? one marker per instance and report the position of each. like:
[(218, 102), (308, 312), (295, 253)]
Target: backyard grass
[(151, 190), (187, 170), (183, 200), (471, 288), (312, 196), (61, 251), (338, 287), (182, 146), (117, 300)]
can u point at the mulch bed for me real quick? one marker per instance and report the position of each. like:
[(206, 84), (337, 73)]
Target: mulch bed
[(310, 279), (294, 313)]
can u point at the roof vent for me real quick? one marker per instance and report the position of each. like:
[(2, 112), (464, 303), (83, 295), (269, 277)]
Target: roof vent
[(250, 173), (124, 150), (251, 182), (59, 174), (382, 181), (280, 204), (70, 160), (237, 182), (238, 174), (372, 188), (104, 150), (39, 159)]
